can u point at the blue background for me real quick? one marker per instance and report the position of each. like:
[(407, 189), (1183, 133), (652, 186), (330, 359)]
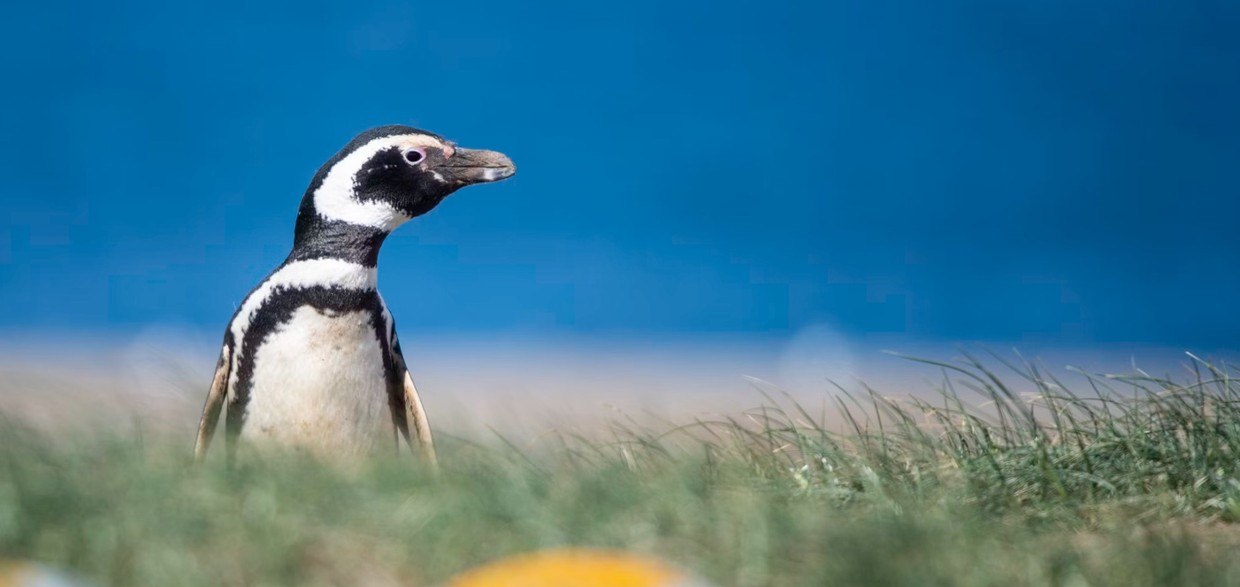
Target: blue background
[(956, 170)]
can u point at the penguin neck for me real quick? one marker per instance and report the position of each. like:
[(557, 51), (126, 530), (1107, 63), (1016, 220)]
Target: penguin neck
[(319, 238)]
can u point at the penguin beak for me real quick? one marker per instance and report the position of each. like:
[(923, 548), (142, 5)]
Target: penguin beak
[(470, 166)]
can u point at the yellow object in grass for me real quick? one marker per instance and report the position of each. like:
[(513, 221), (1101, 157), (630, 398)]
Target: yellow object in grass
[(575, 568)]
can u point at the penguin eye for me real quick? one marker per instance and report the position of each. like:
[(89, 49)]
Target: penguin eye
[(415, 155)]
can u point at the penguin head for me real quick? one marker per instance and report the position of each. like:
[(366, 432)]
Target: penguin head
[(390, 174)]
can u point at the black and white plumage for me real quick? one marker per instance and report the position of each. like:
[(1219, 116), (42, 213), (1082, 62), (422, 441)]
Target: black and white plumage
[(311, 358)]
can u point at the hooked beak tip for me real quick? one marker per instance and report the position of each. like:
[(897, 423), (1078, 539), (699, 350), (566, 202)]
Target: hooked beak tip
[(497, 173)]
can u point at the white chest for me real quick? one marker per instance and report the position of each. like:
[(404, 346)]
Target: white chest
[(319, 383)]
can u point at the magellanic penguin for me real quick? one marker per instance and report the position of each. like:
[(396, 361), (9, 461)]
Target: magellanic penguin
[(310, 358)]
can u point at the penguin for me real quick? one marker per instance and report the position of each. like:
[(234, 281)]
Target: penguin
[(310, 359)]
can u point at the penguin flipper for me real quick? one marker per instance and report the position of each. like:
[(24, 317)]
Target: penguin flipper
[(421, 426), (417, 427), (215, 401)]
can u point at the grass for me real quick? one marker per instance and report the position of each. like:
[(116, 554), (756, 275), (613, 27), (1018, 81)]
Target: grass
[(1003, 475)]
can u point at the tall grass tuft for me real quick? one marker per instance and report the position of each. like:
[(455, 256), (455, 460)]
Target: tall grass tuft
[(1022, 439)]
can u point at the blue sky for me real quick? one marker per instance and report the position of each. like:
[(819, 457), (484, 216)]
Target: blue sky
[(954, 170)]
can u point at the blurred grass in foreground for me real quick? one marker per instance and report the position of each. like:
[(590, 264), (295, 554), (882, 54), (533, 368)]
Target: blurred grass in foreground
[(1004, 478)]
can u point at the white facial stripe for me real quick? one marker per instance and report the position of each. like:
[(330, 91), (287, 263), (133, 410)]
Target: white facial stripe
[(298, 274), (418, 141), (335, 199)]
